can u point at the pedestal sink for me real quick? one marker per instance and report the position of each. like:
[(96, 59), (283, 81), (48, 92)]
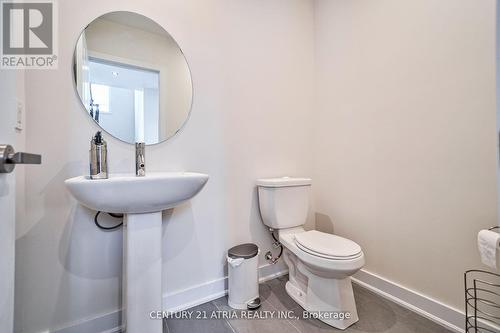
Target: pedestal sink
[(141, 200)]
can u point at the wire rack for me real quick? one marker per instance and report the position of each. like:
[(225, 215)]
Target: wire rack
[(482, 301)]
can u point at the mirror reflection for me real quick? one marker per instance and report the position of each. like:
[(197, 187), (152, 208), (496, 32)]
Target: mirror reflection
[(132, 78)]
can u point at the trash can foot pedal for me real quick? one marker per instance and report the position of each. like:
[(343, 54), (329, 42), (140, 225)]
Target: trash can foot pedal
[(253, 305)]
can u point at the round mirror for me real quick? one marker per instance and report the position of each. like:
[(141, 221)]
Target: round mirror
[(132, 78)]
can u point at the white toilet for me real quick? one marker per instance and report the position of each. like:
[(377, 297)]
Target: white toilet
[(320, 264)]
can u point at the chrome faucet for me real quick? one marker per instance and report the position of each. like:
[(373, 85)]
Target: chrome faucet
[(140, 159)]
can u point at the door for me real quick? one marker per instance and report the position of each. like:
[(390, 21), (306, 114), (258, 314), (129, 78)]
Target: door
[(7, 202)]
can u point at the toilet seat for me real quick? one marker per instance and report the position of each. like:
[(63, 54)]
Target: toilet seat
[(327, 246)]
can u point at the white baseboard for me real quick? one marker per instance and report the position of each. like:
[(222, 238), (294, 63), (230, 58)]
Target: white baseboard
[(206, 292), (196, 295), (443, 314), (105, 323), (175, 301), (268, 272), (432, 309)]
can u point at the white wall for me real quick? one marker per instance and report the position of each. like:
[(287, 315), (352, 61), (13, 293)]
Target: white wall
[(252, 74), (498, 94), (405, 139), (403, 145)]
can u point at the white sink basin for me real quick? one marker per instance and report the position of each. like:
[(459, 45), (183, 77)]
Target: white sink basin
[(128, 194), (141, 200)]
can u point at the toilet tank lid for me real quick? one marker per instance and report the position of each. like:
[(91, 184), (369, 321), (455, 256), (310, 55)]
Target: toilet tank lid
[(283, 182)]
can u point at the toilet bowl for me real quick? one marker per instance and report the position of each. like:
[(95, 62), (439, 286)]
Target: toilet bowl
[(320, 265)]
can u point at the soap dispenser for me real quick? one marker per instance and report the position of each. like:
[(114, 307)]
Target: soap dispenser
[(98, 157)]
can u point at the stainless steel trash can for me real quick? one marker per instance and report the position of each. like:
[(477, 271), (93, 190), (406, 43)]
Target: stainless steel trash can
[(243, 262)]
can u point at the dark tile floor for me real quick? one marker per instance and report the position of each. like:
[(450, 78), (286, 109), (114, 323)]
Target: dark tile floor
[(376, 315)]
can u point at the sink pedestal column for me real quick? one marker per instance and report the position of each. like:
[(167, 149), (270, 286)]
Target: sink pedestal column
[(142, 280)]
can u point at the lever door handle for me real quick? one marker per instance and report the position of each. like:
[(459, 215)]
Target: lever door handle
[(9, 158), (24, 158)]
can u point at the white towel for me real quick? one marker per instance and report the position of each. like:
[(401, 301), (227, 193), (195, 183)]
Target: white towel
[(488, 242)]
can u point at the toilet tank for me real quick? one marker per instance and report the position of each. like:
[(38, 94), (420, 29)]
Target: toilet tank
[(284, 202)]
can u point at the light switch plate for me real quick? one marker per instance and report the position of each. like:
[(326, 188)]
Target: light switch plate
[(19, 115)]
